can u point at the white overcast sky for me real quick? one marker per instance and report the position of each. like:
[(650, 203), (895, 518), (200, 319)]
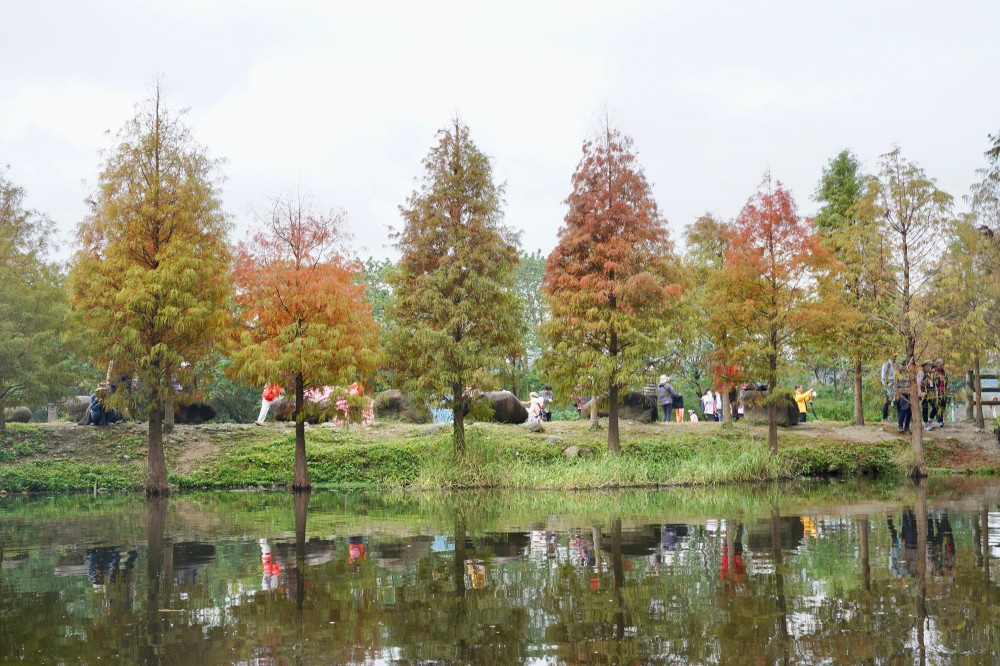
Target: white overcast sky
[(341, 100)]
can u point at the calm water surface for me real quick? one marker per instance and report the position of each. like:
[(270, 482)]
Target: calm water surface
[(841, 573)]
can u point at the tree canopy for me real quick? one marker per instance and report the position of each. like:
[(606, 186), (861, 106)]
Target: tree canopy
[(303, 319), (151, 280), (765, 294), (611, 277), (454, 316), (34, 365)]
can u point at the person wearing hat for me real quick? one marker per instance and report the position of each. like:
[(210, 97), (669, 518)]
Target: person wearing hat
[(535, 407)]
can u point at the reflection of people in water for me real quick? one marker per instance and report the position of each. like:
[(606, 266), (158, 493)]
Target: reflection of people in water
[(733, 571), (896, 565), (104, 564), (272, 570), (477, 573), (355, 550), (584, 553), (941, 544)]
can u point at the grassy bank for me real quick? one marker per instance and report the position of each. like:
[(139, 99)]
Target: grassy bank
[(396, 456)]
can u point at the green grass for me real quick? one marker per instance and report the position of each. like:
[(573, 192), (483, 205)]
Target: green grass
[(497, 456)]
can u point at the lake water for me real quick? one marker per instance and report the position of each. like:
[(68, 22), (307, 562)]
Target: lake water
[(837, 573)]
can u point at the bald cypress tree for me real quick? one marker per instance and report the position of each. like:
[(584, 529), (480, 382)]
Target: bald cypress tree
[(150, 280), (611, 277), (454, 316)]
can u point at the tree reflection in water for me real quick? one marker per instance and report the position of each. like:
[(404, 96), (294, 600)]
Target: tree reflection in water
[(503, 580)]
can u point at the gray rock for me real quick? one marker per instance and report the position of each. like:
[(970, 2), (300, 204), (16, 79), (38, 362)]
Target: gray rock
[(395, 404), (577, 452), (76, 407), (553, 439), (193, 414), (505, 407), (534, 426), (756, 412), (634, 406)]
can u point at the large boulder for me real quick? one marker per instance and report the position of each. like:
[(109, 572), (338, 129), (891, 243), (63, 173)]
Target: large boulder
[(505, 407), (193, 413), (76, 406), (755, 408), (395, 404), (18, 415), (634, 406)]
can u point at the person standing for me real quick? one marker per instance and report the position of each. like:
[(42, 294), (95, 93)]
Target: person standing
[(708, 405), (676, 402), (665, 396), (269, 395), (903, 406), (649, 391), (802, 399), (941, 379), (928, 394), (547, 399), (718, 406), (888, 376)]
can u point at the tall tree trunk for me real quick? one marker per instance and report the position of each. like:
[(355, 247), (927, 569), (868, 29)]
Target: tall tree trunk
[(156, 462), (594, 419), (970, 395), (977, 380), (300, 481), (916, 423), (859, 404), (168, 414), (614, 445), (3, 419), (458, 422), (772, 409), (727, 407)]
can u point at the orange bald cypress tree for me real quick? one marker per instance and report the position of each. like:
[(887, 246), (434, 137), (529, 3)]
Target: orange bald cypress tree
[(611, 278), (303, 321), (767, 296)]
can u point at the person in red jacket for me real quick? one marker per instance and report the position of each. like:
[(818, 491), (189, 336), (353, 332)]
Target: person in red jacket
[(270, 394)]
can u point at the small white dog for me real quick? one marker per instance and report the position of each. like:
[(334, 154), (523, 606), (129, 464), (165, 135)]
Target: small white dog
[(693, 417)]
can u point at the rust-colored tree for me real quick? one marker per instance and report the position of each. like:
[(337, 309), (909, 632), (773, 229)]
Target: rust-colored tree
[(303, 320), (767, 296), (611, 278), (150, 282)]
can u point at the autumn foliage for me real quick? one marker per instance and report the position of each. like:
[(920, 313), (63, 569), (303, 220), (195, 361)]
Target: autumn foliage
[(610, 279), (303, 321), (151, 279), (765, 294)]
